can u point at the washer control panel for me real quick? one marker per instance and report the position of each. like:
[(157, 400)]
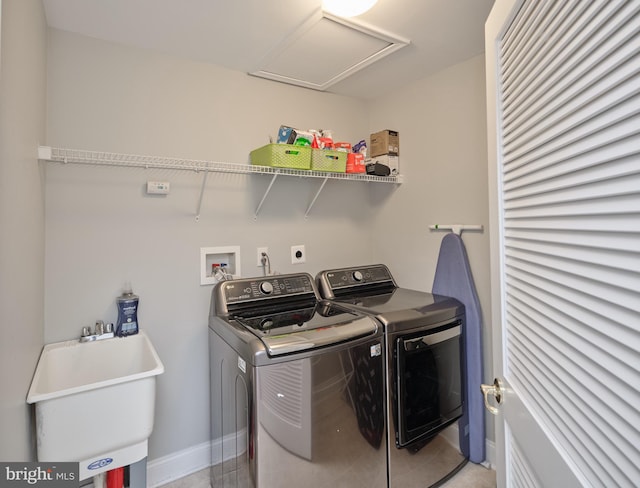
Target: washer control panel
[(279, 286)]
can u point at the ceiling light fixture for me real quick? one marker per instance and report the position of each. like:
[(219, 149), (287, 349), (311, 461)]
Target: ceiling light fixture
[(347, 8)]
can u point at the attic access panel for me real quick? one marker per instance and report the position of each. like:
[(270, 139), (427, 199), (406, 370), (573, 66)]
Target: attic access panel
[(325, 50)]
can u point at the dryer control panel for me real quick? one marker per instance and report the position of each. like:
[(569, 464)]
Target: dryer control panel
[(332, 282)]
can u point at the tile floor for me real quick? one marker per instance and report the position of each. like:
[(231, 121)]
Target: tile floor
[(471, 476)]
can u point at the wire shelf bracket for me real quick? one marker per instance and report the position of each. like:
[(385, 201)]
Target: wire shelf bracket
[(264, 197), (324, 182), (204, 184)]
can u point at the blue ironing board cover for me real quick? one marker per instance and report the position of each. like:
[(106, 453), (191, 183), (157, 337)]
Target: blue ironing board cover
[(453, 278)]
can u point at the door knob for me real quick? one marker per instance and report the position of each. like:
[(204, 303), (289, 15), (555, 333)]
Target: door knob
[(497, 391)]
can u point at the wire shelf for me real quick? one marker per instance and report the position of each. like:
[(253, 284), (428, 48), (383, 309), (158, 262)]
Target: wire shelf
[(99, 158), (80, 156)]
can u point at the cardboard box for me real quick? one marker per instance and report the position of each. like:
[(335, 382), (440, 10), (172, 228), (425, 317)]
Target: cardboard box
[(389, 160), (384, 142)]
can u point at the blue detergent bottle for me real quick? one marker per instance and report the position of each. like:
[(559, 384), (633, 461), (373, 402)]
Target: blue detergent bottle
[(127, 313)]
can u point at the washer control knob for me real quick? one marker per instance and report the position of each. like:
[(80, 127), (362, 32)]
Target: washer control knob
[(266, 287), (357, 275)]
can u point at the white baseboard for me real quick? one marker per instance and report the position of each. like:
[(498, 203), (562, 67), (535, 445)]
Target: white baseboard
[(178, 464), (451, 435), (490, 455), (191, 460)]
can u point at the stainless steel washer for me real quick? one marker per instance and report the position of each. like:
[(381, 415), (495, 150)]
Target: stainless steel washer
[(424, 365), (297, 388)]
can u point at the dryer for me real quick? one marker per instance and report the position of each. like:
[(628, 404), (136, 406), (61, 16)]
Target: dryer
[(424, 363)]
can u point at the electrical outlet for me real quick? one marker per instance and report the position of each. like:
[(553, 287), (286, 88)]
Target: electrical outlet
[(259, 255), (298, 254)]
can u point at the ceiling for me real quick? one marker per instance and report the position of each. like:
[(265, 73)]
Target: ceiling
[(243, 34)]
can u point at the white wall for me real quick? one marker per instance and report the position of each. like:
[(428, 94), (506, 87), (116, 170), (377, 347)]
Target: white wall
[(443, 157), (22, 127), (102, 229)]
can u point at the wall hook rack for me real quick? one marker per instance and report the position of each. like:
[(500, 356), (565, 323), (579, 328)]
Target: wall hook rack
[(457, 228)]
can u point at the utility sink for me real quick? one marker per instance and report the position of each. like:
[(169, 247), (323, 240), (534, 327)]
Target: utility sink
[(95, 401)]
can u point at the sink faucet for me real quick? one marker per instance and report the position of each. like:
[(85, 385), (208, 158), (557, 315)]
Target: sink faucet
[(102, 331)]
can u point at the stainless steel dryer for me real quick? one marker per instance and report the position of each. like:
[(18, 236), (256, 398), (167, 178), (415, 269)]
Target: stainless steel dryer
[(297, 388), (424, 365)]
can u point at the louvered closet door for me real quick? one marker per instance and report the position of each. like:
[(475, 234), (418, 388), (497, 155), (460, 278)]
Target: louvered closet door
[(563, 90)]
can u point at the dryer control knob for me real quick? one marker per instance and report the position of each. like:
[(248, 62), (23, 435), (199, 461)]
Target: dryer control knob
[(357, 275), (266, 287)]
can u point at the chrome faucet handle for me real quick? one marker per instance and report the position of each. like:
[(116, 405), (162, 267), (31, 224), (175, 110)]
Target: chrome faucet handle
[(103, 331), (99, 327)]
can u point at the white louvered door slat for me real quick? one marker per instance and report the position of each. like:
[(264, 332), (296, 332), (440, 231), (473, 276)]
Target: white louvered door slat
[(560, 151), (563, 80), (562, 76), (579, 171), (522, 473), (564, 36)]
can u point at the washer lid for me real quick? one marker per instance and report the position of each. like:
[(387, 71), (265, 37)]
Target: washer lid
[(300, 329)]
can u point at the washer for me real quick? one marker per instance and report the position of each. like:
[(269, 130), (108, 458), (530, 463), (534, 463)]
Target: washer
[(424, 365), (297, 388)]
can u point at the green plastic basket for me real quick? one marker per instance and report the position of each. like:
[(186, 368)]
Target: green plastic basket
[(282, 156), (324, 160)]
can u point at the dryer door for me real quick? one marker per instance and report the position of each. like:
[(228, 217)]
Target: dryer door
[(428, 383)]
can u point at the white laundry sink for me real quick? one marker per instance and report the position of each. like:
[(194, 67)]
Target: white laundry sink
[(95, 401)]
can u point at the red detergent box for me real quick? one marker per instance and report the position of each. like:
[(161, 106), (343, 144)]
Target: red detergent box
[(355, 163)]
